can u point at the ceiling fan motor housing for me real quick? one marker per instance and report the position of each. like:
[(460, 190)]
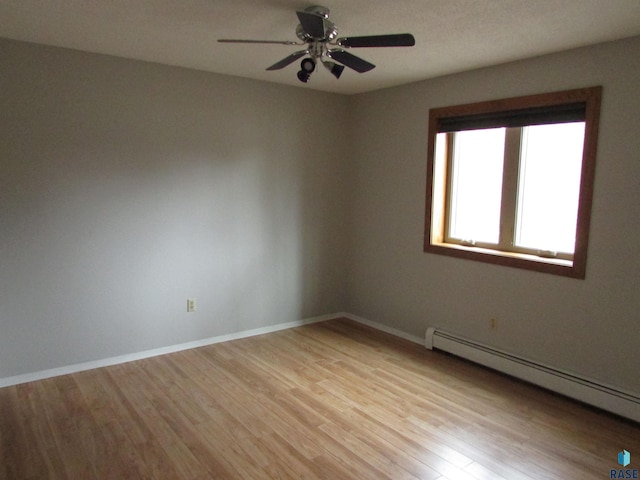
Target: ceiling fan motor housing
[(330, 31)]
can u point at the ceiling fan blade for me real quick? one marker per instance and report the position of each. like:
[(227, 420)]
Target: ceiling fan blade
[(312, 23), (351, 61), (233, 40), (288, 60), (393, 40)]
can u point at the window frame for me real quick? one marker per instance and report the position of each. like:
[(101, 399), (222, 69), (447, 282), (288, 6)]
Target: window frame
[(437, 180)]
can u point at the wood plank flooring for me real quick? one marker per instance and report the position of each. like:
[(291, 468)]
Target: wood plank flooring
[(333, 400)]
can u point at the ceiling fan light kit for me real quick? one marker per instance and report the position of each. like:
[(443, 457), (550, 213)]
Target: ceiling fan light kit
[(318, 34), (307, 66), (335, 68)]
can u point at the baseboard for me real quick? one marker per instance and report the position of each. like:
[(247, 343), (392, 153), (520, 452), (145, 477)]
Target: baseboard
[(378, 326), (605, 397), (622, 409), (80, 367)]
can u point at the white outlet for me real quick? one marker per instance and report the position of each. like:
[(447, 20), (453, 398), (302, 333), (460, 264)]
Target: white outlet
[(191, 305)]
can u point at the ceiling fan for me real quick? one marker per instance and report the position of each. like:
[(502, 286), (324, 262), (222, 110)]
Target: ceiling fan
[(317, 34)]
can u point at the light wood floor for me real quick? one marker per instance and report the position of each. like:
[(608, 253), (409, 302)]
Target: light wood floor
[(334, 400)]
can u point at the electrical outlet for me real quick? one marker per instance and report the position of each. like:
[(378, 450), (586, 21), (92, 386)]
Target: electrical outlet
[(191, 305), (493, 323)]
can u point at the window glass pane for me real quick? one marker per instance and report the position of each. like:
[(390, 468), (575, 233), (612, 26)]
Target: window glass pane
[(476, 185), (549, 186)]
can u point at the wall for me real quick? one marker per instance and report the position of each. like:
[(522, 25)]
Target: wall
[(586, 326), (127, 187)]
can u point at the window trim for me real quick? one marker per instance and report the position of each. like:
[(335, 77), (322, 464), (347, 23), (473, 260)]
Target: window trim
[(437, 181)]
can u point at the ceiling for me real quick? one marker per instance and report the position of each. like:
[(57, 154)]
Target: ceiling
[(451, 35)]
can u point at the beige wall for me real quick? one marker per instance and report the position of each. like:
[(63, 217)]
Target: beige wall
[(127, 187), (590, 326)]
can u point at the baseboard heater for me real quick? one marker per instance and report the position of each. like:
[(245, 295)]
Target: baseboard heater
[(625, 404)]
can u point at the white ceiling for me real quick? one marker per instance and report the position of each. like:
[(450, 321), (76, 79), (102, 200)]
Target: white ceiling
[(451, 35)]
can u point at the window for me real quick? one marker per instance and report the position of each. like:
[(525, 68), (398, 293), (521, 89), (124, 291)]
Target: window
[(510, 181)]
